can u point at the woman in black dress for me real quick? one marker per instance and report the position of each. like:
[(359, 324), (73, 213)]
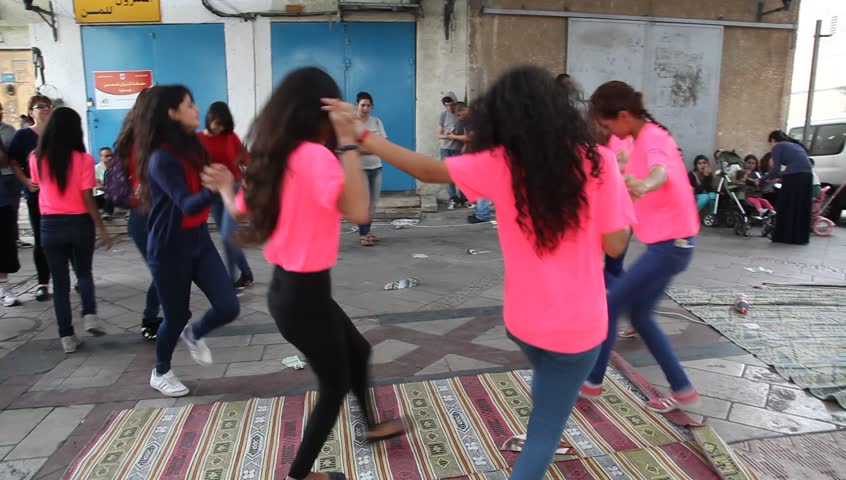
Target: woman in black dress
[(792, 166)]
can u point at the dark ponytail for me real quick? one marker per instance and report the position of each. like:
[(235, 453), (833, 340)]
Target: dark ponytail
[(613, 97), (780, 136)]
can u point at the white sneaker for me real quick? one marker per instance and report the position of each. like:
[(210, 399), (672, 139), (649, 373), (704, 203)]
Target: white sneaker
[(69, 344), (199, 349), (451, 205), (168, 384), (7, 297), (92, 325)]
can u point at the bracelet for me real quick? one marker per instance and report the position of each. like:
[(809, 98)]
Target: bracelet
[(366, 133), (347, 148)]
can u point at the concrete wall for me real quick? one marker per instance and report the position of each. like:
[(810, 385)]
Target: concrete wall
[(441, 63), (756, 65)]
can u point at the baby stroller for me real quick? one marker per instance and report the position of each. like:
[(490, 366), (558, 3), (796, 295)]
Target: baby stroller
[(821, 225), (728, 209)]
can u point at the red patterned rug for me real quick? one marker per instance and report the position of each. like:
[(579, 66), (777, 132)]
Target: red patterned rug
[(456, 428)]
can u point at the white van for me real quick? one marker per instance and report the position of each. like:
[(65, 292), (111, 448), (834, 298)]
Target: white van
[(826, 147)]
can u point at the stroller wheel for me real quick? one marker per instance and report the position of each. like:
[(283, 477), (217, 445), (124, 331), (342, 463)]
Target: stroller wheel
[(823, 227), (710, 220)]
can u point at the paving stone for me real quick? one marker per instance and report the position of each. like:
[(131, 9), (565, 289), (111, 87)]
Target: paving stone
[(280, 351), (267, 339), (726, 387), (200, 372), (20, 469), (496, 338), (221, 355), (748, 359), (717, 365), (5, 450), (733, 432), (201, 400), (776, 421), (763, 374), (228, 341), (156, 402), (455, 363), (242, 369), (390, 350), (799, 402), (16, 424), (50, 433), (436, 327)]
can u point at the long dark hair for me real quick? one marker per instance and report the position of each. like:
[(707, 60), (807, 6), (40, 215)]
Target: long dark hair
[(765, 165), (220, 111), (547, 164), (154, 128), (292, 115), (780, 136), (613, 97), (752, 156), (125, 142), (61, 137), (696, 162)]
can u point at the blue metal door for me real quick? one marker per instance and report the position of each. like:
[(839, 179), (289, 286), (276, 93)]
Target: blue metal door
[(377, 57), (193, 55)]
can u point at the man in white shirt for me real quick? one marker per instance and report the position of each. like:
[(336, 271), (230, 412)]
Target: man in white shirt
[(103, 203)]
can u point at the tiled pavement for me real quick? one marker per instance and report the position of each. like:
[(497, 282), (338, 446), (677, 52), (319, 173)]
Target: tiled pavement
[(52, 404)]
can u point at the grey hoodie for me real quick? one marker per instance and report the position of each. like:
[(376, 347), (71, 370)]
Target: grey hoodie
[(448, 122)]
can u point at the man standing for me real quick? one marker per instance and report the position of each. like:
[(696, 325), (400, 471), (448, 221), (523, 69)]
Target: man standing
[(6, 133), (450, 147), (103, 202)]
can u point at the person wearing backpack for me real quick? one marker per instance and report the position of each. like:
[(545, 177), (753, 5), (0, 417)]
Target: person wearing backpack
[(121, 185)]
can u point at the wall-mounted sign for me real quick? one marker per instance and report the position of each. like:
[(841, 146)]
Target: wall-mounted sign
[(118, 90), (117, 11), (8, 78)]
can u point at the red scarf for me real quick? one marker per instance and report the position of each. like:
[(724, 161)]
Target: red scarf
[(192, 181)]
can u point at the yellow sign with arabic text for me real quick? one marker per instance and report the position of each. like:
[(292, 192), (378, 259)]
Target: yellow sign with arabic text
[(117, 11)]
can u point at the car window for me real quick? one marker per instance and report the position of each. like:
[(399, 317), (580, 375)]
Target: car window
[(828, 139), (797, 133)]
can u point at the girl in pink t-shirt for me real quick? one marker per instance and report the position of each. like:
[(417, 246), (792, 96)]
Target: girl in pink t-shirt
[(64, 174), (560, 205), (667, 222), (297, 190)]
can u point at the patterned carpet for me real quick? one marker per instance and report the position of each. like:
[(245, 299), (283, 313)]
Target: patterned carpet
[(816, 456), (799, 330), (456, 427)]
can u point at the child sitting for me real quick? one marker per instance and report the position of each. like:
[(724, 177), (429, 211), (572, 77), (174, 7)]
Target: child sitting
[(763, 205)]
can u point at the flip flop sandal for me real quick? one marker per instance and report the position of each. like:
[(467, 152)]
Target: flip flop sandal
[(627, 333), (373, 238), (382, 438), (366, 242)]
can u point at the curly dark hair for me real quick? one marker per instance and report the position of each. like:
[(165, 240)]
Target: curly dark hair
[(154, 128), (293, 115), (547, 142), (125, 142)]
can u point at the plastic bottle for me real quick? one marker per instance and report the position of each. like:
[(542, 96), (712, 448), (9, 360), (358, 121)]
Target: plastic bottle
[(741, 304)]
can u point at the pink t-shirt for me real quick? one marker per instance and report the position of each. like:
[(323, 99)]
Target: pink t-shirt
[(617, 144), (52, 201), (555, 302), (307, 232), (669, 212)]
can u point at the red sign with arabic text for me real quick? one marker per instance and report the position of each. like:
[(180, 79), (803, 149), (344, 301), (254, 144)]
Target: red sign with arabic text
[(129, 82)]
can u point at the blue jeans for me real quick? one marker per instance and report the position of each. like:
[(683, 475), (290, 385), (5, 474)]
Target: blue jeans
[(638, 291), (136, 227), (557, 378), (193, 259), (374, 185), (483, 209), (69, 239), (226, 226), (451, 188), (705, 200)]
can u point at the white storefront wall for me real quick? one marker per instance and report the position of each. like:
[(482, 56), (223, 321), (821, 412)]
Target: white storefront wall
[(441, 63)]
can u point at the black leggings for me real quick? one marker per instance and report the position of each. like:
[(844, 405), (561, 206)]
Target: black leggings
[(302, 306), (38, 255)]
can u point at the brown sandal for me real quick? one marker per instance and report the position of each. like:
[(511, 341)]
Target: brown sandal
[(366, 242), (373, 238)]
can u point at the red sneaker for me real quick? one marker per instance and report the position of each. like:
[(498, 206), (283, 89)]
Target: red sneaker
[(590, 391), (676, 401)]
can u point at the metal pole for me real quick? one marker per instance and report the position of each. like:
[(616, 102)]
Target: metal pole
[(811, 86)]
